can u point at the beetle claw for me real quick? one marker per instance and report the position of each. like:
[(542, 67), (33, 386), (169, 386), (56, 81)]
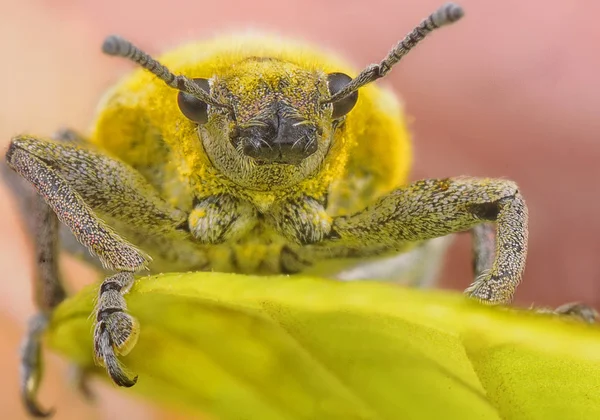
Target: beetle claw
[(31, 366)]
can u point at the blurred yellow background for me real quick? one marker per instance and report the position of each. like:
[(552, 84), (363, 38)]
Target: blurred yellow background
[(511, 91)]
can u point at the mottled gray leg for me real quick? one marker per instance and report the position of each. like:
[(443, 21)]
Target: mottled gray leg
[(433, 208), (49, 292), (70, 245), (578, 310), (113, 251), (31, 365), (75, 183), (301, 220), (116, 332), (575, 310), (220, 218), (42, 226)]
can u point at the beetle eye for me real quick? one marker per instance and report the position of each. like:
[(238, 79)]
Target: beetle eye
[(336, 82), (193, 108)]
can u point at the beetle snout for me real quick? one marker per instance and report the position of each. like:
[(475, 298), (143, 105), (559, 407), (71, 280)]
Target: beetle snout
[(282, 141)]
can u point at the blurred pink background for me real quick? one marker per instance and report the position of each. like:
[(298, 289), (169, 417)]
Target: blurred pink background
[(511, 91)]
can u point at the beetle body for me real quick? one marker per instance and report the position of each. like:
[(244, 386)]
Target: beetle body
[(140, 123), (249, 154)]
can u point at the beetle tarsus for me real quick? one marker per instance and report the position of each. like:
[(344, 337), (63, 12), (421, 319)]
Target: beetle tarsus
[(31, 366)]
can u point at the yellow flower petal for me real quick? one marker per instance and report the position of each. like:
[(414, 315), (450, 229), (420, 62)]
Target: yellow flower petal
[(243, 347)]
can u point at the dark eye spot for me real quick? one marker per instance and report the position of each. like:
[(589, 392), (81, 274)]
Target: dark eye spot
[(336, 82), (193, 108)]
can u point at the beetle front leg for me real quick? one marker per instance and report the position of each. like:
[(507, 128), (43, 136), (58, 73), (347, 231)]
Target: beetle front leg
[(301, 220), (574, 310), (116, 332), (219, 218), (114, 252), (433, 208)]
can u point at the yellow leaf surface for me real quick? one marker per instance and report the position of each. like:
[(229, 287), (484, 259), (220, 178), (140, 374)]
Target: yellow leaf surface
[(242, 347)]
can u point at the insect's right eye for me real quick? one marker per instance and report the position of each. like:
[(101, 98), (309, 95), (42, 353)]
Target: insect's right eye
[(193, 108)]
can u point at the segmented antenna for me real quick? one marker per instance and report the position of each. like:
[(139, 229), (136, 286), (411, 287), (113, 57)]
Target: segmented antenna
[(448, 13), (117, 46)]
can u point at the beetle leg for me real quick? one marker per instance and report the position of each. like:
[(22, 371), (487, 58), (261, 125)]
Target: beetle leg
[(578, 310), (114, 252), (115, 332), (483, 259), (31, 365), (220, 218), (301, 221), (49, 292), (433, 208), (42, 226)]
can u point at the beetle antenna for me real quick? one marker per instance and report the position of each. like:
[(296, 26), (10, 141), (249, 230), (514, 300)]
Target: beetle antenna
[(117, 46), (448, 13)]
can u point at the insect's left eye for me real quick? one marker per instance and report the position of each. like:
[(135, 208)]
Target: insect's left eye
[(193, 108)]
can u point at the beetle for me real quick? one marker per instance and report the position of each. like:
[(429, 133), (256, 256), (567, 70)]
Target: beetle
[(247, 155)]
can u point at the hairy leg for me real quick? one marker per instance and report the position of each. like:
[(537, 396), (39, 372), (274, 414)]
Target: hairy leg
[(70, 184), (433, 208), (48, 290), (576, 310), (115, 332)]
